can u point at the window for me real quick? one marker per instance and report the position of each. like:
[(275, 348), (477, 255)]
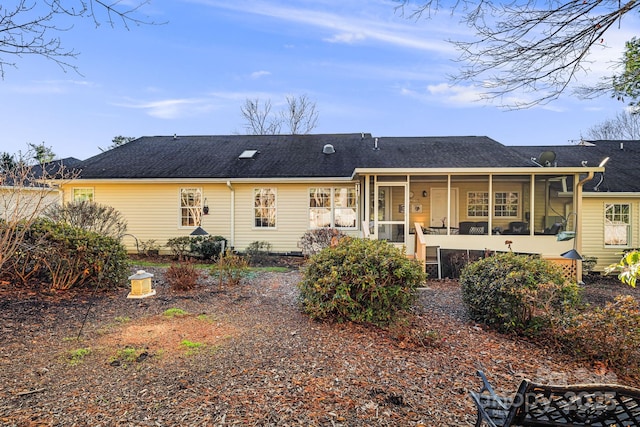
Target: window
[(264, 211), (506, 204), (83, 194), (190, 207), (332, 207), (477, 204), (617, 219)]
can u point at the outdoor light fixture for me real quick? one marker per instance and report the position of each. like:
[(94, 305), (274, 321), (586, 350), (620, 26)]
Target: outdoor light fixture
[(199, 232), (424, 193)]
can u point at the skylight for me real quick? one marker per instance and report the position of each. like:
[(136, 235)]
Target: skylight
[(248, 154)]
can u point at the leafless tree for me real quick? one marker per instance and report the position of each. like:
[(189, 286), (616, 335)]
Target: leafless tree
[(25, 192), (258, 118), (35, 27), (539, 47), (625, 125), (300, 117)]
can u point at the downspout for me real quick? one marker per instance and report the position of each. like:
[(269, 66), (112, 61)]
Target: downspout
[(578, 225), (233, 215)]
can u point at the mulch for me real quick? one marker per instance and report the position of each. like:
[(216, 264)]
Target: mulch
[(260, 361)]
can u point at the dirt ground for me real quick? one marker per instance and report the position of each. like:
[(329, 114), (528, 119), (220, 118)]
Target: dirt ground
[(246, 355)]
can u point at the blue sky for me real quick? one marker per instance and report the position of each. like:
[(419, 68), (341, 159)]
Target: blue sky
[(367, 68)]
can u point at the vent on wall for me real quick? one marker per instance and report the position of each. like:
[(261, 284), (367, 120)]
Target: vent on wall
[(248, 154), (328, 149)]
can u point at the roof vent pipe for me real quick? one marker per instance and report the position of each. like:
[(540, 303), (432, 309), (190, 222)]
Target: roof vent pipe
[(362, 135), (328, 149), (622, 145), (375, 144)]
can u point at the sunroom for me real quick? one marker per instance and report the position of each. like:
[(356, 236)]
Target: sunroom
[(526, 210)]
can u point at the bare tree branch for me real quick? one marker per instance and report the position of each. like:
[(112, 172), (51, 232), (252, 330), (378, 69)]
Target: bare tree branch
[(259, 120), (301, 116), (625, 125), (537, 47), (35, 27)]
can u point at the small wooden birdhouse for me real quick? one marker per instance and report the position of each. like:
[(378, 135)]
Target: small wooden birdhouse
[(141, 285)]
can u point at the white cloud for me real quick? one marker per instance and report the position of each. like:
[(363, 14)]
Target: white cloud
[(170, 108), (348, 27), (348, 38), (261, 73)]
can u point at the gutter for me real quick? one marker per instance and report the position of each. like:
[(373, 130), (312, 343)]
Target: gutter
[(233, 215), (578, 227)]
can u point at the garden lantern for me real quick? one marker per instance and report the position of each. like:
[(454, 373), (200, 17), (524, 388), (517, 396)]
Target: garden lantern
[(141, 285)]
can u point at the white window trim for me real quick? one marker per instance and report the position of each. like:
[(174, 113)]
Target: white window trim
[(332, 208), (627, 226), (253, 208), (469, 204), (517, 204), (189, 227), (92, 189)]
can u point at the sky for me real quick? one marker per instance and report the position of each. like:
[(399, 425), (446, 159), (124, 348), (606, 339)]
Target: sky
[(367, 67)]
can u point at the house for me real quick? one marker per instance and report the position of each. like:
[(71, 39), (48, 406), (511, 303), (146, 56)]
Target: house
[(23, 195), (610, 211), (461, 193)]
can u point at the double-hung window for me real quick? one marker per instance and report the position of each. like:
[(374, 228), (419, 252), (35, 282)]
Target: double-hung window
[(190, 207), (506, 204), (333, 207), (83, 194), (264, 207), (617, 222), (477, 204)]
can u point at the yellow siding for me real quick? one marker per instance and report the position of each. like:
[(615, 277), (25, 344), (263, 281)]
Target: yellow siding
[(153, 212)]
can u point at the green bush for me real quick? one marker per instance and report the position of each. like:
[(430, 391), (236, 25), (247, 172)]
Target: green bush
[(360, 280), (610, 334), (207, 247), (258, 252), (230, 268), (516, 293), (73, 257), (179, 246)]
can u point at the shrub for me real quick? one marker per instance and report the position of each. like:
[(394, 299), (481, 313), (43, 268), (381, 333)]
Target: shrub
[(360, 280), (610, 334), (313, 241), (516, 293), (149, 247), (207, 247), (179, 246), (73, 257), (230, 268), (182, 277), (90, 216), (258, 252)]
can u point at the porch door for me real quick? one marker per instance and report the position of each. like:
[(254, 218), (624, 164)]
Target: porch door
[(392, 213), (439, 208)]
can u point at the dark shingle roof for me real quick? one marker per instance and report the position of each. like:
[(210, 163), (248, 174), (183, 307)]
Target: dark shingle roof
[(291, 156), (621, 173)]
